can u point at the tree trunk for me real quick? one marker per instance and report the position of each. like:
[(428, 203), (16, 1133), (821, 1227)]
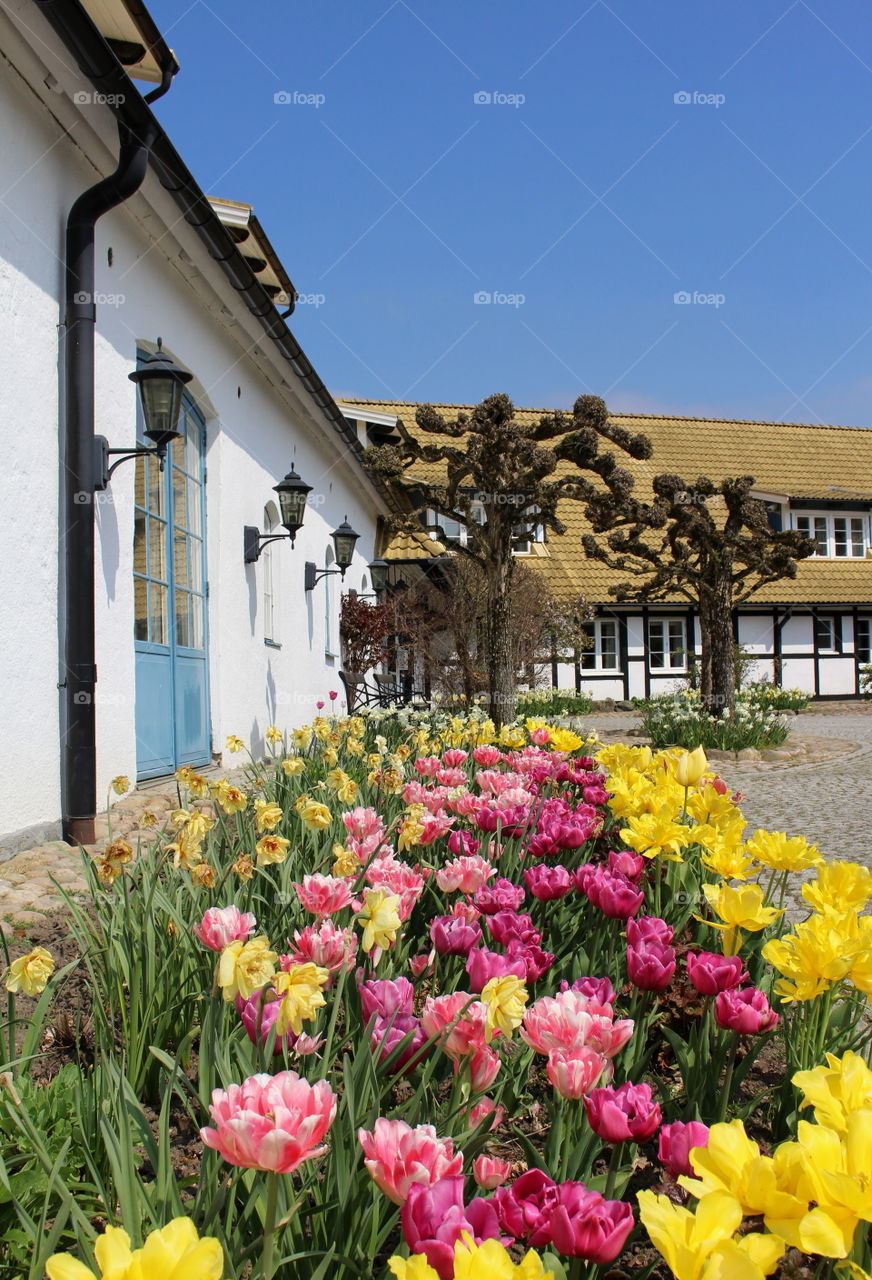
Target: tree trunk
[(717, 619), (498, 641)]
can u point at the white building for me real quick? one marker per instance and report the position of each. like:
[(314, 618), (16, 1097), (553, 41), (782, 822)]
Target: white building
[(191, 643)]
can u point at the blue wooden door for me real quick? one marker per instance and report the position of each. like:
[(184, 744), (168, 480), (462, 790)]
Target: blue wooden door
[(170, 617)]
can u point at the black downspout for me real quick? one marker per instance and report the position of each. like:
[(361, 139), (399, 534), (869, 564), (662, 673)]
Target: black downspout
[(79, 672)]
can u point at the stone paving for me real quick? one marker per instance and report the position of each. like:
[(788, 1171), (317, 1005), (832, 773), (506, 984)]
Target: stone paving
[(825, 800)]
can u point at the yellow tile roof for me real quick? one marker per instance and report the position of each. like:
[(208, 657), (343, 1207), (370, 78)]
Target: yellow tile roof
[(823, 463)]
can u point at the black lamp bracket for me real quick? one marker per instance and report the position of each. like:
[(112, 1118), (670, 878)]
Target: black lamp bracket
[(255, 541), (313, 575), (103, 471)]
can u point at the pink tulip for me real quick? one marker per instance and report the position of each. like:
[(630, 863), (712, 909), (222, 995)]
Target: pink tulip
[(483, 1108), (675, 1143), (466, 873), (746, 1011), (649, 929), (323, 895), (420, 964), (487, 756), (711, 973), (650, 967), (398, 1156), (510, 926), (484, 1067), (442, 1014), (434, 1218), (386, 997), (574, 1072), (463, 843), (584, 1225), (482, 965), (258, 1014), (600, 990), (612, 894), (320, 704), (536, 961), (333, 695), (548, 882), (630, 865), (397, 878), (624, 1114), (525, 1208), (428, 766), (222, 925), (323, 944), (454, 757), (499, 895), (389, 1033), (453, 936), (570, 1021), (271, 1123), (490, 1172)]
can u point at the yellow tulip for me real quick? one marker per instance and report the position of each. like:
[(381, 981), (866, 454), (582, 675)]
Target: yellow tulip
[(731, 1164), (700, 1243), (779, 852), (30, 973), (739, 908), (841, 887), (656, 834), (836, 1090), (489, 1260), (691, 767), (175, 1252)]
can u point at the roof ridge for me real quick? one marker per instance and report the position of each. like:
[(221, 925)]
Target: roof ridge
[(645, 417)]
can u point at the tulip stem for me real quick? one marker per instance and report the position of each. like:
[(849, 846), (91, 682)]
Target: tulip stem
[(728, 1077), (614, 1166), (267, 1265)]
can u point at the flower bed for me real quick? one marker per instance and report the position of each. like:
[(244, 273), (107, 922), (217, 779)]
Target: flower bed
[(445, 1003), (678, 720)]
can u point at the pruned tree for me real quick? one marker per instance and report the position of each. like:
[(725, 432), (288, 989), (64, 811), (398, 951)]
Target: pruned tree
[(489, 461), (709, 543)]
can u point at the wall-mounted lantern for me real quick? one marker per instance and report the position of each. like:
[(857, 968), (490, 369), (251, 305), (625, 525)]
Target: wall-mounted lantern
[(344, 542), (161, 385), (293, 494)]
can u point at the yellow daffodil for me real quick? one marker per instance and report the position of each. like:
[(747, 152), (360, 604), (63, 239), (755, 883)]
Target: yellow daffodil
[(331, 757), (315, 816), (292, 766), (30, 973), (120, 785), (703, 1243), (322, 729), (836, 1090), (739, 908), (174, 1252), (232, 799), (691, 767), (840, 887), (379, 918), (345, 787), (203, 875), (779, 852), (186, 850), (504, 998), (271, 849), (268, 815), (489, 1260), (234, 743), (301, 991), (302, 737), (245, 967), (243, 867), (656, 835), (273, 734)]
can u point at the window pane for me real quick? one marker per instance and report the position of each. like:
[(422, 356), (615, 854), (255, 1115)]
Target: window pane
[(857, 542), (861, 639), (676, 644), (157, 611), (198, 611), (140, 550), (820, 534), (609, 645), (825, 633), (184, 620), (140, 608), (154, 487), (840, 529), (157, 541), (656, 644)]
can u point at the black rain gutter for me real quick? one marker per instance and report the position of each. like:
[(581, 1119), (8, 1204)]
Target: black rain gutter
[(143, 142)]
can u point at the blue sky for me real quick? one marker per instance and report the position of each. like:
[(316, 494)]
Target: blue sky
[(666, 203)]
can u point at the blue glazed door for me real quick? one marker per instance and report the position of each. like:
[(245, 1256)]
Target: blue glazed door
[(170, 619)]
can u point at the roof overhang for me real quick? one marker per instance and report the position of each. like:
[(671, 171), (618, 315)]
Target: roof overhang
[(255, 246), (134, 38)]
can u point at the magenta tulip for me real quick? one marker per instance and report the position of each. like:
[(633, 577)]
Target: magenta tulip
[(675, 1143), (747, 1011), (548, 882), (453, 936), (584, 1225), (434, 1218), (711, 973), (650, 967), (525, 1208), (482, 965), (627, 1113)]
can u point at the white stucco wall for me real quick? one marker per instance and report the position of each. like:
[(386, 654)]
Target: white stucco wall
[(259, 420)]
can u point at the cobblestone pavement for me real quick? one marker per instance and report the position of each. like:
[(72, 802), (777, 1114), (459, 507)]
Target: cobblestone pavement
[(827, 802)]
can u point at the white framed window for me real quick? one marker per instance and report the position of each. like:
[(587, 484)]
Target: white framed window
[(827, 637), (602, 655), (527, 531), (863, 639), (667, 644), (329, 607), (269, 584), (835, 536)]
